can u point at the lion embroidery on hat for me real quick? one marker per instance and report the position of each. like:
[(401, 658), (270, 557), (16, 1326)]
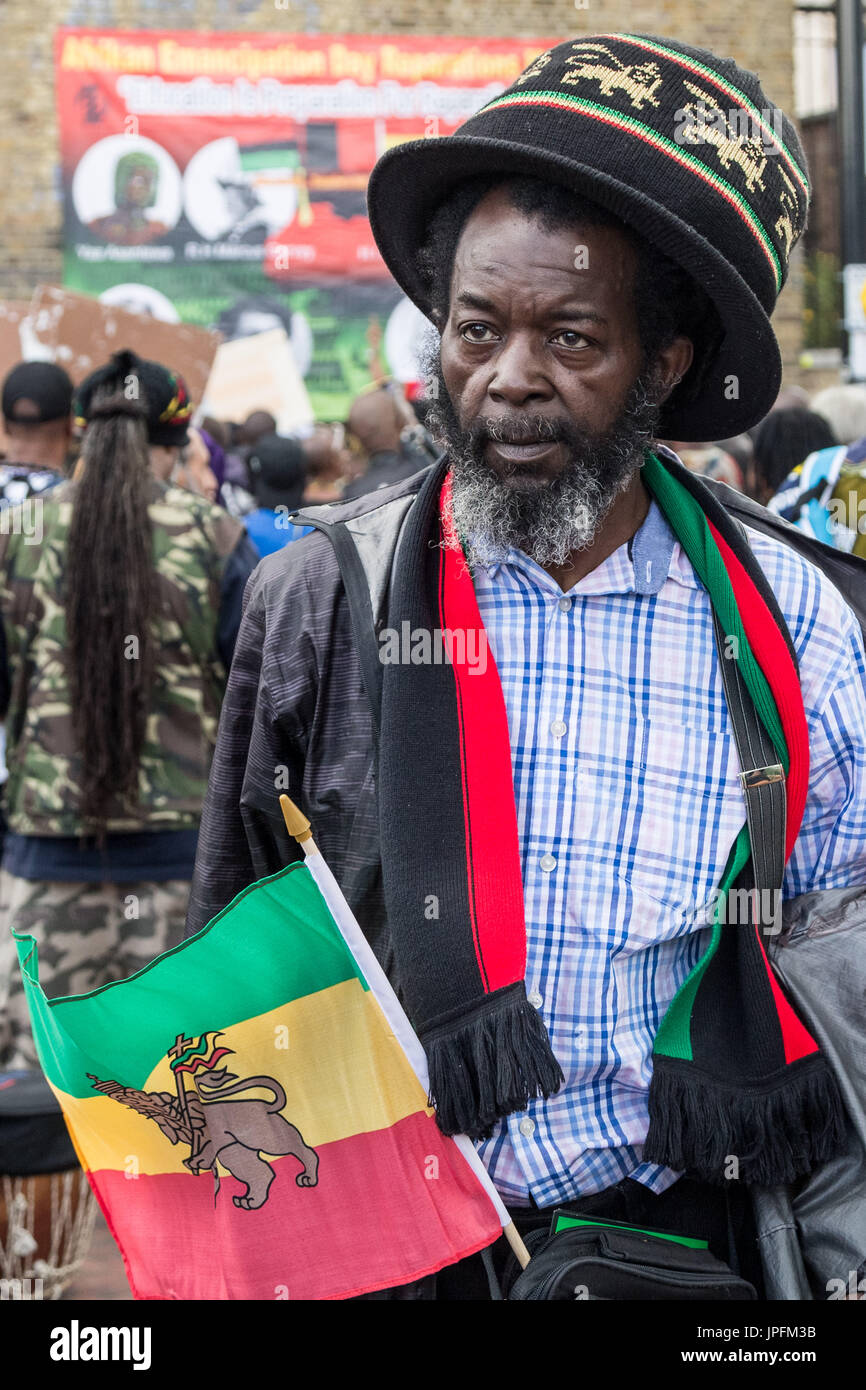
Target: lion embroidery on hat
[(534, 70), (787, 229), (639, 81), (707, 123)]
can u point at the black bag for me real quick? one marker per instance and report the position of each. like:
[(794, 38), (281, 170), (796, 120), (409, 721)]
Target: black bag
[(602, 1262)]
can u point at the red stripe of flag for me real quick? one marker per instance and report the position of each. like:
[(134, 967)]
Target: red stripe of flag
[(344, 1237)]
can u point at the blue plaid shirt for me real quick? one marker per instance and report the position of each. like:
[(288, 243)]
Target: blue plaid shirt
[(628, 801)]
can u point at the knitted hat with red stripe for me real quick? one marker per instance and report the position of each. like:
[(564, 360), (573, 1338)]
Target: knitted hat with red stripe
[(682, 146), (160, 393)]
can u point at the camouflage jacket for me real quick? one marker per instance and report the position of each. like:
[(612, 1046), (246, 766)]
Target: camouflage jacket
[(192, 543)]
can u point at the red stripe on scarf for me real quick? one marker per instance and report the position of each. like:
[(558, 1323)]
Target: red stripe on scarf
[(796, 1038), (490, 816), (772, 655)]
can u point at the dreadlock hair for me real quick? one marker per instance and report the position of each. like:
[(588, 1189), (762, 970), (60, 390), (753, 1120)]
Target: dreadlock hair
[(668, 302), (109, 598)]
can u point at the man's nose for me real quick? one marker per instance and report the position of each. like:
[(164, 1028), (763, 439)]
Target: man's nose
[(518, 374)]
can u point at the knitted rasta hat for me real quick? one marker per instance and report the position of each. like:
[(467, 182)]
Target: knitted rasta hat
[(680, 145), (150, 390)]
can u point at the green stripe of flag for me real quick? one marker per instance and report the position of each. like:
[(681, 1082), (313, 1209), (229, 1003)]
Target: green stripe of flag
[(275, 942)]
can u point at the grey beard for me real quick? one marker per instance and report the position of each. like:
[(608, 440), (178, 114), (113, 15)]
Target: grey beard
[(550, 523)]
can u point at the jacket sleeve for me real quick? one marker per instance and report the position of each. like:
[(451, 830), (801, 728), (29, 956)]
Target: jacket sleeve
[(238, 568), (242, 836)]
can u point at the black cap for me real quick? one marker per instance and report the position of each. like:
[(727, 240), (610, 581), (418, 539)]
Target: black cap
[(163, 394), (279, 470), (43, 384)]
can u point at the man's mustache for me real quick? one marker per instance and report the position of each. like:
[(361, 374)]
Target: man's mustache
[(521, 429)]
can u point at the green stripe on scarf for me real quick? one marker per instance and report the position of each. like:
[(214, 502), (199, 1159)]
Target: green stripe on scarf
[(693, 533), (674, 1038)]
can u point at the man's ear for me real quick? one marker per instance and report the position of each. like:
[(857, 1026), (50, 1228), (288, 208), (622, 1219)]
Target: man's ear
[(671, 364)]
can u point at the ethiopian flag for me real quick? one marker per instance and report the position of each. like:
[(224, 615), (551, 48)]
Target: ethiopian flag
[(252, 1114)]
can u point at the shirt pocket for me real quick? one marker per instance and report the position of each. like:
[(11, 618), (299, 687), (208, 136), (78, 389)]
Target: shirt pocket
[(662, 825)]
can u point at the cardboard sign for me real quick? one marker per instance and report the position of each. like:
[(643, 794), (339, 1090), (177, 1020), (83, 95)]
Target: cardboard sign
[(80, 334), (259, 373), (12, 312)]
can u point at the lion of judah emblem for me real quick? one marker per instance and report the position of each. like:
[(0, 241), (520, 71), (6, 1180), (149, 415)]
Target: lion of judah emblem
[(595, 62), (219, 1123)]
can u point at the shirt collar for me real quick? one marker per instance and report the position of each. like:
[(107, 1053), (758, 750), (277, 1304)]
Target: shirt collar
[(640, 565)]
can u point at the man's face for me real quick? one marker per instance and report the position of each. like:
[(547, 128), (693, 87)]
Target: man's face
[(138, 188), (539, 402)]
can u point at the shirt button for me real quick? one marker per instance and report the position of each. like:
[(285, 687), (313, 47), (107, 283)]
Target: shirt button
[(527, 1126), (558, 728), (536, 999), (547, 863), (565, 605)]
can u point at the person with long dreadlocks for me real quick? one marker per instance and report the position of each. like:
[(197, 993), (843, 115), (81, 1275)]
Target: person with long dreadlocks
[(120, 625), (500, 692)]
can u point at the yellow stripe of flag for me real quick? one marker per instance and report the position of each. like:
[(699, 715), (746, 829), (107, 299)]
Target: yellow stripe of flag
[(332, 1052)]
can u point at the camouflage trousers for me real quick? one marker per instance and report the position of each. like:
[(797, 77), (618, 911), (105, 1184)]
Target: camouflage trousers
[(88, 934)]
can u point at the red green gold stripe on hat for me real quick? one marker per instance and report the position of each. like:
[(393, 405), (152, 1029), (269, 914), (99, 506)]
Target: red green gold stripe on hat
[(644, 132), (701, 70)]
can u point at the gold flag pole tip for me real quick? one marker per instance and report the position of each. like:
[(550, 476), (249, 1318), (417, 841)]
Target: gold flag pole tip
[(296, 822)]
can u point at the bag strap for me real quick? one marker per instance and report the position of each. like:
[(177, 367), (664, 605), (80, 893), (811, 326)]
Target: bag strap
[(763, 783)]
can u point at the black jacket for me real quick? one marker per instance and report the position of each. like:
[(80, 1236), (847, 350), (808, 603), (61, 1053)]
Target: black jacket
[(298, 713)]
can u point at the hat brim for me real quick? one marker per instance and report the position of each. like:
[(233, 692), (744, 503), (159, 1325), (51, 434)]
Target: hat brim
[(742, 383)]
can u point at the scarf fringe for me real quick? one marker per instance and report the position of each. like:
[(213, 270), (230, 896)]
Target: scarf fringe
[(775, 1137), (490, 1067)]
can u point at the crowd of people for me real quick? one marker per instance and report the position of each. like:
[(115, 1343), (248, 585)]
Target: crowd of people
[(128, 535)]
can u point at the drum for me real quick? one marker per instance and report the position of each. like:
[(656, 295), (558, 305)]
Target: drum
[(47, 1210)]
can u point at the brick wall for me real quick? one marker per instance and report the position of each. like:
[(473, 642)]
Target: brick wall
[(758, 36)]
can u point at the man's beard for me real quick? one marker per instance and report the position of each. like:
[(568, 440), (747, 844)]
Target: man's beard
[(550, 522)]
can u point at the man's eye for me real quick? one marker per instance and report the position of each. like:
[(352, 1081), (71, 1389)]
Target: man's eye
[(574, 339), (474, 332)]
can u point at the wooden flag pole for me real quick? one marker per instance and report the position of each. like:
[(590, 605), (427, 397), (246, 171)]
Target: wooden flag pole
[(512, 1235), (299, 828)]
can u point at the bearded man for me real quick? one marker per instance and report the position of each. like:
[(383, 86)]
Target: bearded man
[(533, 831)]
